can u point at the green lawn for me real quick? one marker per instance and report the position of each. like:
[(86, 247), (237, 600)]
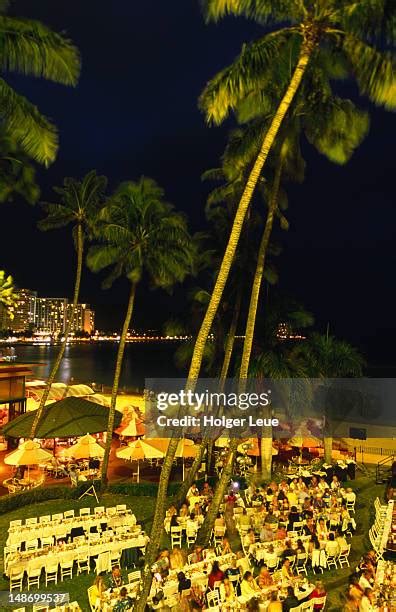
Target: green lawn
[(143, 507)]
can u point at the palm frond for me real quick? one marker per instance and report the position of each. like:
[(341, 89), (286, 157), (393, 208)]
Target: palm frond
[(375, 72), (31, 48), (33, 132), (226, 90), (264, 11)]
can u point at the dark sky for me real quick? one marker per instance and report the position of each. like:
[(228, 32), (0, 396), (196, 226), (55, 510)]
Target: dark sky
[(135, 112)]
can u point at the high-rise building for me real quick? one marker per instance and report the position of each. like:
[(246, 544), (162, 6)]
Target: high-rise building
[(50, 317), (82, 318), (24, 312), (89, 320)]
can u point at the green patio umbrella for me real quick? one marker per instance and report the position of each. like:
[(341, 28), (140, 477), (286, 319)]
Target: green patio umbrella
[(71, 416)]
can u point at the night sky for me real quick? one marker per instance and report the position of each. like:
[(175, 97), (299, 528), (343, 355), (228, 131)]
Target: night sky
[(135, 112)]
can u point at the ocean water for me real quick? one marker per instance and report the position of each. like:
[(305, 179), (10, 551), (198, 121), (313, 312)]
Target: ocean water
[(95, 362)]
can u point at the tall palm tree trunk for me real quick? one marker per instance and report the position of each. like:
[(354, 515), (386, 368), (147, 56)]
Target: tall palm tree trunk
[(207, 443), (266, 440), (205, 531), (157, 527), (305, 55), (69, 322), (116, 381), (258, 276)]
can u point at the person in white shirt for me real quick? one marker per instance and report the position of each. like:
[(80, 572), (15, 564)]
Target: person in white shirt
[(364, 581), (192, 491), (332, 549)]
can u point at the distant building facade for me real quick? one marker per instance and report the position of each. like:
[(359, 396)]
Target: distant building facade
[(46, 315)]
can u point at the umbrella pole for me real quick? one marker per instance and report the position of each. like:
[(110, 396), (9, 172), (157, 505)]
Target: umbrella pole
[(183, 469), (138, 472)]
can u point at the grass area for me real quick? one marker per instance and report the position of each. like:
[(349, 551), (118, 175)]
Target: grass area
[(143, 507)]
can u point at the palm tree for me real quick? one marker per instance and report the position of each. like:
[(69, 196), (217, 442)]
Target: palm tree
[(30, 48), (301, 33), (8, 297), (327, 357), (138, 234), (80, 202), (17, 172)]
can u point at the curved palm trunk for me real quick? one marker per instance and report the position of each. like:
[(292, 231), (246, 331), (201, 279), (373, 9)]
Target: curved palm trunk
[(266, 456), (258, 277), (61, 352), (206, 442), (218, 498), (305, 55), (157, 527), (328, 448), (116, 381)]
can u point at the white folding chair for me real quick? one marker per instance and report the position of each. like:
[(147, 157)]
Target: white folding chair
[(85, 511), (115, 559), (51, 574), (331, 561), (307, 605), (31, 521), (111, 511), (82, 564), (134, 576), (66, 569), (319, 601), (31, 544), (47, 542), (213, 599), (191, 535), (33, 577), (16, 523), (176, 536), (99, 510), (16, 579), (343, 557), (121, 509), (68, 514), (301, 563), (58, 516)]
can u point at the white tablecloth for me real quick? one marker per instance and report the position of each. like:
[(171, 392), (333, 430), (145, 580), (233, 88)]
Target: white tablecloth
[(18, 535), (57, 555)]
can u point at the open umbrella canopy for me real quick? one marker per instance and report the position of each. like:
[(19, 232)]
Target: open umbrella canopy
[(28, 453), (72, 416), (138, 451), (86, 448), (304, 439)]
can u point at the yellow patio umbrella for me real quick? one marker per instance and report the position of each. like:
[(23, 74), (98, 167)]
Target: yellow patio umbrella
[(86, 448), (138, 451), (186, 449), (222, 442), (28, 453)]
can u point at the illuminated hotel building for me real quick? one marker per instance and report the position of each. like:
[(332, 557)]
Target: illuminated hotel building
[(24, 312), (82, 319), (51, 315)]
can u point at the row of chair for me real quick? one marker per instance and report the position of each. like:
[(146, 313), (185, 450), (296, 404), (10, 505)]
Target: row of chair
[(120, 509)]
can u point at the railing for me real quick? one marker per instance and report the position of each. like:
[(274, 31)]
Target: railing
[(384, 468), (374, 450)]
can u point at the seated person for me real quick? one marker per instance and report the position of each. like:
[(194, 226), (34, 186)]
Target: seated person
[(233, 570), (227, 593), (287, 572), (183, 583), (291, 600), (116, 577), (249, 587), (281, 533), (332, 548), (225, 547), (192, 491), (244, 519), (264, 579), (216, 575), (270, 556), (288, 551), (365, 580), (176, 559), (266, 533), (95, 595), (242, 563), (367, 603), (219, 521), (163, 561), (184, 512), (124, 601), (207, 490), (248, 539), (319, 591), (321, 530), (196, 555)]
